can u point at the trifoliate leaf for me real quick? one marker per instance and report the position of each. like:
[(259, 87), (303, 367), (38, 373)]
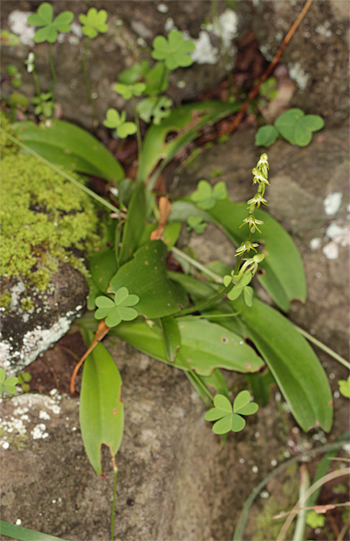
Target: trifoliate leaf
[(266, 136), (134, 74), (196, 224), (128, 128), (220, 191), (205, 197), (113, 312), (156, 107), (226, 417), (127, 91), (94, 22), (314, 520), (174, 50), (297, 127), (114, 120), (50, 26)]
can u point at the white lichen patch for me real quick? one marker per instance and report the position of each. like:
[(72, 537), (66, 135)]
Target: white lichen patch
[(44, 415), (298, 75), (315, 244), (38, 432), (340, 237), (323, 31), (229, 26), (332, 203), (335, 230), (331, 250), (16, 292), (18, 25), (205, 52), (162, 8), (169, 25)]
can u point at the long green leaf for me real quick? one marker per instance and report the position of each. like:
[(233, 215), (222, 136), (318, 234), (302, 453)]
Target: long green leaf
[(204, 346), (146, 276), (69, 146), (186, 121), (284, 276), (134, 225), (171, 336), (101, 411), (25, 534), (103, 266), (293, 364)]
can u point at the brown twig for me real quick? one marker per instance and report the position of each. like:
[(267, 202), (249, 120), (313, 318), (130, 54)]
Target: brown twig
[(101, 332), (253, 93)]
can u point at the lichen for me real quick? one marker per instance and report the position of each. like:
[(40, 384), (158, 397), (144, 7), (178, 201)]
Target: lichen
[(45, 220)]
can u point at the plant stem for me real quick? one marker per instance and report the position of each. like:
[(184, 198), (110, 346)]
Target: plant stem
[(60, 172), (324, 347), (212, 316), (114, 496), (138, 131), (198, 265), (196, 377), (87, 84), (205, 304), (37, 89), (52, 66)]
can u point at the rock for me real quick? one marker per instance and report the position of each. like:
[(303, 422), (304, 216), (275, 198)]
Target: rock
[(132, 28), (47, 224), (317, 55)]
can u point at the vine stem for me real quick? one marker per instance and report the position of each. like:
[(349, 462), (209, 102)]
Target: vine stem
[(253, 93), (87, 84), (323, 347), (60, 172), (52, 65)]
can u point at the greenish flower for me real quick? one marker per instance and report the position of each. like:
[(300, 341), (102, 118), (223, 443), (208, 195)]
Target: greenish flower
[(252, 223), (246, 246), (256, 201), (259, 177)]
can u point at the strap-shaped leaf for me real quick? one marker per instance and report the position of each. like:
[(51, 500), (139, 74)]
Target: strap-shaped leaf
[(101, 410), (25, 534), (293, 363), (67, 145), (134, 225), (171, 336)]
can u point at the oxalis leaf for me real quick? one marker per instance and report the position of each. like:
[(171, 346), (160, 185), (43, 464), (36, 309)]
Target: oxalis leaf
[(228, 418), (174, 50), (297, 127), (206, 197), (50, 27), (344, 387), (8, 384), (154, 107), (94, 22), (127, 91), (101, 410), (113, 312), (114, 120)]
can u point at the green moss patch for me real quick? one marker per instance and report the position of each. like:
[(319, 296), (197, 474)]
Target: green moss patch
[(44, 219)]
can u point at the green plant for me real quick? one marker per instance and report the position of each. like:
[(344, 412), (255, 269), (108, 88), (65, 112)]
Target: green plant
[(293, 125), (344, 387), (7, 384), (230, 418), (16, 76), (23, 380), (49, 27)]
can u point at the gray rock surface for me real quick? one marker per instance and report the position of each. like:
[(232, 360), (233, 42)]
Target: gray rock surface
[(317, 55), (132, 28), (175, 482)]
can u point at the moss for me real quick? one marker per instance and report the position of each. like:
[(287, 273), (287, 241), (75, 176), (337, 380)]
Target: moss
[(45, 220), (7, 147), (5, 300), (27, 304)]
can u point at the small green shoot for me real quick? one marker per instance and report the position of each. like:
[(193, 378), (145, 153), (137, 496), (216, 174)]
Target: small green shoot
[(130, 90), (314, 520), (118, 310), (174, 50), (293, 125), (344, 387), (16, 76), (50, 26), (23, 380), (154, 107), (7, 384), (116, 121), (94, 22), (8, 38), (196, 224), (228, 418), (205, 197), (45, 105)]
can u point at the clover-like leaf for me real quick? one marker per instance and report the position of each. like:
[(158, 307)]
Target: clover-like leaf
[(127, 91), (94, 22), (8, 384), (266, 136), (50, 26), (113, 312), (344, 387), (174, 50), (196, 224), (297, 127), (228, 418), (314, 520), (116, 121), (156, 107), (205, 197)]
